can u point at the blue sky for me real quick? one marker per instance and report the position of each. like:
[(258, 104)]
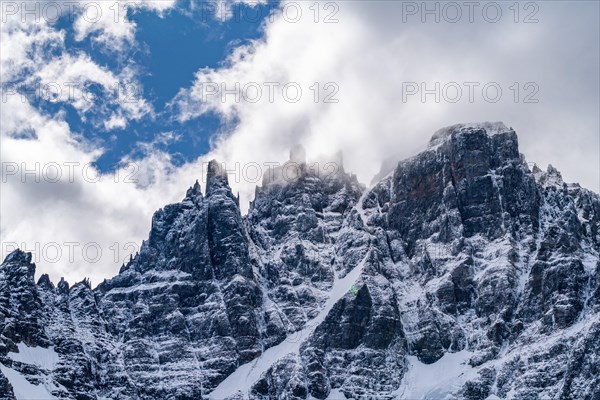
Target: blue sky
[(169, 50)]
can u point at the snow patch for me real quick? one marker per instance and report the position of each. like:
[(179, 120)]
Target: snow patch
[(242, 379), (24, 390), (336, 394), (142, 287), (438, 380), (39, 356)]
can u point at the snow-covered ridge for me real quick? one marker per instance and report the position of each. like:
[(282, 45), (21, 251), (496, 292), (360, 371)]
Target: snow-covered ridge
[(244, 377), (46, 359), (491, 128), (38, 356), (460, 274)]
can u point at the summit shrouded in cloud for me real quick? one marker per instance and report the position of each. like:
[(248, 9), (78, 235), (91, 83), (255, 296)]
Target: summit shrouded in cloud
[(462, 264), (239, 199), (110, 110)]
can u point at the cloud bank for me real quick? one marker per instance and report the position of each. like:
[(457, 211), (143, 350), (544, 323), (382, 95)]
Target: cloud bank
[(372, 80)]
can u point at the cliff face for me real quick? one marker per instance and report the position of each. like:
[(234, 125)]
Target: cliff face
[(462, 273)]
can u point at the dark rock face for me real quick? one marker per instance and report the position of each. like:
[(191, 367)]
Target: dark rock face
[(492, 257), (294, 221), (462, 266), (21, 318), (188, 306), (359, 349), (286, 378)]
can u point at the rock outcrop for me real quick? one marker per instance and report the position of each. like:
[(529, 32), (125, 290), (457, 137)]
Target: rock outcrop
[(463, 273)]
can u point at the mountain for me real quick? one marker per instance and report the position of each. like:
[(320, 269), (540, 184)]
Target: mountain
[(463, 273)]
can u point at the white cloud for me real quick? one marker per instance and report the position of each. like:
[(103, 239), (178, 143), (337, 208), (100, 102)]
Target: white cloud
[(368, 54), (224, 10), (108, 21), (115, 121), (38, 207), (52, 195), (371, 53), (24, 45), (37, 64)]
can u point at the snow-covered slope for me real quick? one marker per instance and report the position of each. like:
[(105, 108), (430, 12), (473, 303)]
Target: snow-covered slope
[(460, 274)]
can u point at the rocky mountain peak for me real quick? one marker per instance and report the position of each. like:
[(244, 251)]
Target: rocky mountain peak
[(18, 256), (194, 192), (462, 264), (550, 178), (62, 286), (490, 128), (45, 282), (216, 178)]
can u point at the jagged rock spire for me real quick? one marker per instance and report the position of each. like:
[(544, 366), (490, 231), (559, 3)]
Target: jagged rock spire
[(459, 254), (45, 282), (18, 256), (216, 177), (194, 191), (63, 286)]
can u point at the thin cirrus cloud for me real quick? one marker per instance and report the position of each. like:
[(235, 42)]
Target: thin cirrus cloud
[(366, 61)]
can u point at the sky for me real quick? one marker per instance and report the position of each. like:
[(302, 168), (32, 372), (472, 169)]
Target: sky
[(111, 110)]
